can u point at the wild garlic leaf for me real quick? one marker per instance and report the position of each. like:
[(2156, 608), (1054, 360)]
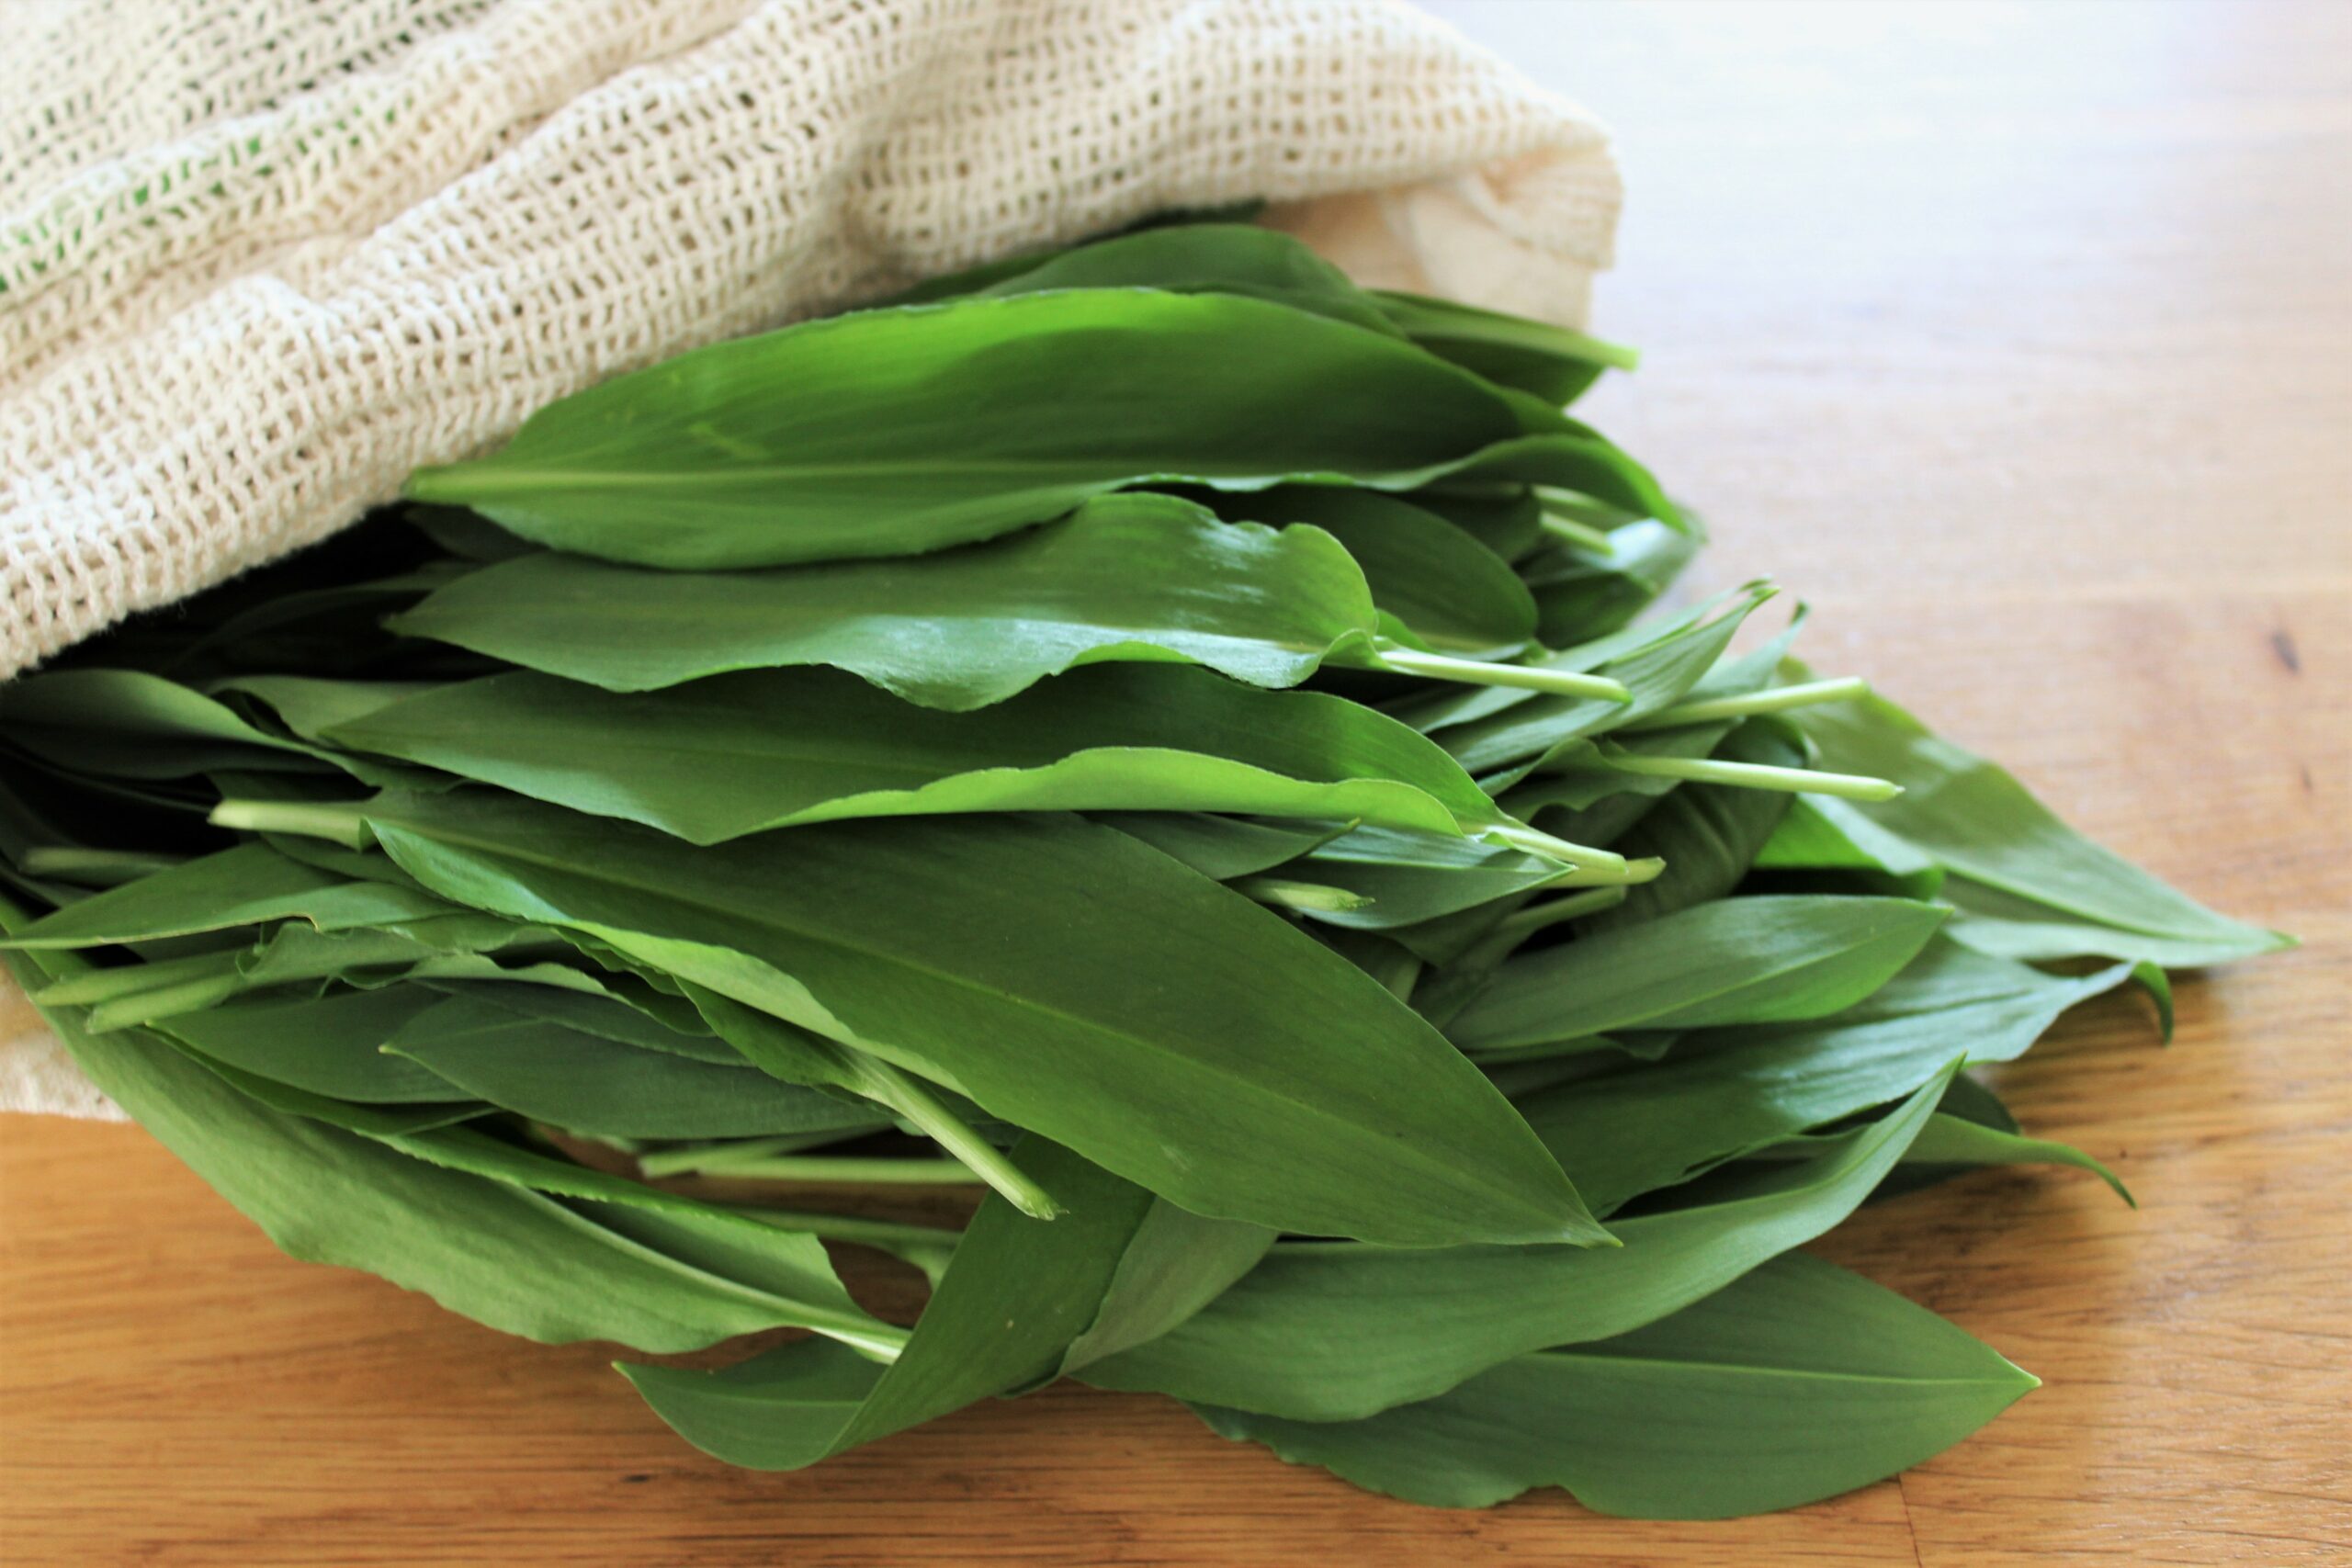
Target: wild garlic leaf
[(1455, 593), (1506, 519), (1797, 1383), (1206, 258), (243, 886), (1560, 454), (1952, 1146), (1221, 848), (1978, 822), (1068, 979), (1582, 594), (1726, 1092), (1015, 1296), (897, 431), (331, 1045), (735, 754), (1708, 835), (583, 1082), (514, 1260), (133, 725), (2006, 926), (1754, 960), (1416, 876), (1519, 731), (1554, 362), (1330, 1332), (595, 1009), (1130, 576), (1174, 1265), (1828, 835)]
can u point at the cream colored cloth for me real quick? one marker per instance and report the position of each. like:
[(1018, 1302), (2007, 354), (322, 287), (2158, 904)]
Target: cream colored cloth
[(260, 259)]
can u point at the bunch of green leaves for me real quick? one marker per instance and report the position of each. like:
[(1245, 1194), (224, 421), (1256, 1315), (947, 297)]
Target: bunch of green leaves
[(1156, 737)]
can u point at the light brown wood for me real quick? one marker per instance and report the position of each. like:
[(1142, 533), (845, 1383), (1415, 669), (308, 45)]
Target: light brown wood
[(2018, 341)]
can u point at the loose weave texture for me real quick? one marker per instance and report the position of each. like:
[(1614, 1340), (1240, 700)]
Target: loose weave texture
[(259, 260)]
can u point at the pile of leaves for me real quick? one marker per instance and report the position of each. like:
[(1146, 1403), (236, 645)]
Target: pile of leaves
[(1153, 735)]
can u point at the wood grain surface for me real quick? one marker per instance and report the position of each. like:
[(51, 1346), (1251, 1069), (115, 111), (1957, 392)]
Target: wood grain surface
[(2016, 340)]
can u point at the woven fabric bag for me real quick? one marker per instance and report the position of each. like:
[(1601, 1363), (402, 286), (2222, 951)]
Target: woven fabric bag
[(260, 259)]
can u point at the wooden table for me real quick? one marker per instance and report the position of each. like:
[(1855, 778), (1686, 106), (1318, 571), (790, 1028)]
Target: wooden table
[(2017, 341)]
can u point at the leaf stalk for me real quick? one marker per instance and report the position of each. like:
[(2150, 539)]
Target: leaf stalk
[(1779, 699), (1478, 672)]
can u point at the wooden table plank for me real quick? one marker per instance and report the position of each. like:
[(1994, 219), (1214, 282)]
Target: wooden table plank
[(2015, 339)]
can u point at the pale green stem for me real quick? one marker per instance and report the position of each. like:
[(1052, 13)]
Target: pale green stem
[(903, 1092), (1752, 775), (1777, 700), (1582, 857), (93, 985), (1636, 873), (845, 1168), (1478, 672), (1578, 535), (849, 1227), (712, 1157), (1320, 897), (884, 1342), (110, 866), (164, 1001), (340, 821)]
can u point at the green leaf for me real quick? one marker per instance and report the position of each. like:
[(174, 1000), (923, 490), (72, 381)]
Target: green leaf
[(737, 755), (1707, 834), (1066, 977), (1949, 1145), (1549, 362), (1829, 835), (588, 1084), (1757, 960), (591, 1009), (1560, 454), (2009, 927), (1453, 591), (1206, 258), (128, 724), (239, 886), (1174, 1265), (330, 1046), (514, 1260), (1411, 877), (1325, 1332), (1978, 822), (1724, 1093), (896, 432), (1017, 1294), (1221, 848), (1582, 594), (1798, 1382), (1131, 577), (1508, 520), (1510, 734)]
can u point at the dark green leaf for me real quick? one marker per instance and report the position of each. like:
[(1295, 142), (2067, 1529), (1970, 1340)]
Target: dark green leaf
[(1979, 822), (1016, 1295), (742, 753), (1132, 577), (1325, 1332), (1066, 977), (1797, 1383), (243, 886), (1722, 1093), (897, 432), (1765, 960), (588, 1084)]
